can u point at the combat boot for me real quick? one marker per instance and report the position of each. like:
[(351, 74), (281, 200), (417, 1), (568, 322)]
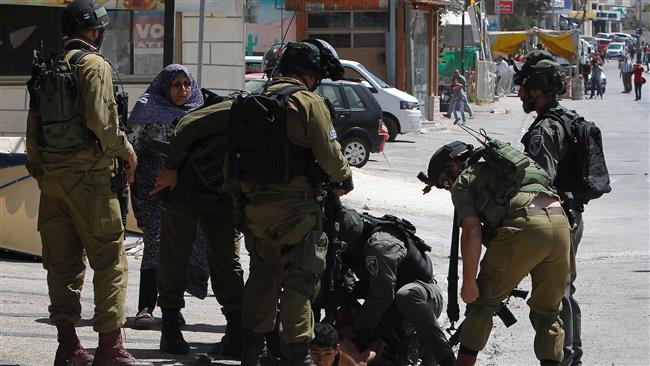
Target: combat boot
[(465, 359), (253, 348), (298, 355), (70, 352), (232, 343), (171, 338), (111, 352)]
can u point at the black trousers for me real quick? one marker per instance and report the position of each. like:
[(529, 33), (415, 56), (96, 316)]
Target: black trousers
[(637, 90)]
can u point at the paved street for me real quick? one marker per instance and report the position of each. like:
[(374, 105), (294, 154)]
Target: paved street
[(613, 261)]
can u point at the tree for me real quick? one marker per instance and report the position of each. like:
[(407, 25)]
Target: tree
[(525, 13)]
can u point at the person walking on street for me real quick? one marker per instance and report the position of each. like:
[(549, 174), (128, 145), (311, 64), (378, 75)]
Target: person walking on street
[(520, 221), (458, 85), (639, 80), (169, 96), (277, 194), (625, 67), (72, 157), (596, 79)]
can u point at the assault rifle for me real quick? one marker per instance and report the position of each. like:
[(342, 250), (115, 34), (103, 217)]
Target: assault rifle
[(504, 314), (332, 277), (119, 181)]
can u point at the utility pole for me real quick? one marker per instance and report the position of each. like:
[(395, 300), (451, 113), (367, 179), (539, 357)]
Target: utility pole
[(462, 39)]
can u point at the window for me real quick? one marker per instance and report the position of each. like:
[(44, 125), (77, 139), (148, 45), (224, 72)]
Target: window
[(133, 41), (371, 19), (349, 29), (329, 20), (369, 40), (335, 39), (354, 99), (333, 93)]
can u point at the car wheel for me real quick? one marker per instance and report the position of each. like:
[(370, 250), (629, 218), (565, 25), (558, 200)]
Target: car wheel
[(356, 151), (392, 126)]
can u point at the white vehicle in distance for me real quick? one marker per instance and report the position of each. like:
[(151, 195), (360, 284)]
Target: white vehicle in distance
[(400, 111)]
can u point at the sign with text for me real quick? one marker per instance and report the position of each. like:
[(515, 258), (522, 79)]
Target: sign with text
[(505, 6)]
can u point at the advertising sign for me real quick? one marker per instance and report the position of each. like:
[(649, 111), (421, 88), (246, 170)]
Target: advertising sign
[(505, 6)]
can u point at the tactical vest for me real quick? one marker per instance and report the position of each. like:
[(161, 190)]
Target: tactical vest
[(417, 264), (259, 147), (56, 96), (516, 173)]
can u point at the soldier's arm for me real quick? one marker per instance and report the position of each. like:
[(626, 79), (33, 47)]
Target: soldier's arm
[(194, 126), (33, 163), (462, 194), (382, 257), (100, 108), (322, 140), (546, 145)]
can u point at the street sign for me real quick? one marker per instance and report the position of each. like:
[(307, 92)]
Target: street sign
[(505, 6)]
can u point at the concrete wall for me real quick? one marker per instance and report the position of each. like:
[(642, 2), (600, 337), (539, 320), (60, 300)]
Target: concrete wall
[(223, 48)]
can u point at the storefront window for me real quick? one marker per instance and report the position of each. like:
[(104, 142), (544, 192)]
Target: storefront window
[(369, 39), (371, 19), (133, 41), (335, 39), (329, 20)]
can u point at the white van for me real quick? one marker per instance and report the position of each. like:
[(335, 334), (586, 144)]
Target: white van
[(401, 111)]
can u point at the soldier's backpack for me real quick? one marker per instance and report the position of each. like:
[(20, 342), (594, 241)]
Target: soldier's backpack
[(583, 172), (259, 147), (56, 97)]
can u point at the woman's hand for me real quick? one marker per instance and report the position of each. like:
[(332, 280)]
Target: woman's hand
[(165, 178)]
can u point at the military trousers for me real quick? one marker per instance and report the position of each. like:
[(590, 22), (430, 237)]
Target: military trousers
[(79, 221), (571, 314), (536, 241), (277, 282), (421, 304), (181, 213)]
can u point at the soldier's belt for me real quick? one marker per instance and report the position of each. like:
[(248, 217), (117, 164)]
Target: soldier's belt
[(536, 211)]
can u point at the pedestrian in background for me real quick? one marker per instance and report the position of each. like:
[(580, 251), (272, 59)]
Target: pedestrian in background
[(458, 85), (625, 67), (639, 80), (596, 80), (79, 216), (169, 96)]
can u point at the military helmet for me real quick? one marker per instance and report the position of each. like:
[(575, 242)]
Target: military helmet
[(301, 58), (271, 58), (329, 59), (442, 157), (540, 71), (83, 15)]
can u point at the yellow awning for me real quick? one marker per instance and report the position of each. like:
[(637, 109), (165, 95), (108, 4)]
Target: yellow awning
[(507, 43), (558, 43)]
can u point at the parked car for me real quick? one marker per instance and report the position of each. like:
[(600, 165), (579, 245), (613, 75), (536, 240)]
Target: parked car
[(615, 49), (601, 44), (589, 39), (400, 110), (357, 119), (609, 36)]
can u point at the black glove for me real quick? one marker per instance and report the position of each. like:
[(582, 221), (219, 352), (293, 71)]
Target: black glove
[(346, 185)]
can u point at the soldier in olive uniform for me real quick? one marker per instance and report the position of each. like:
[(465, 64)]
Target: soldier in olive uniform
[(547, 142), (284, 218), (395, 272), (72, 162), (524, 228), (193, 170)]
